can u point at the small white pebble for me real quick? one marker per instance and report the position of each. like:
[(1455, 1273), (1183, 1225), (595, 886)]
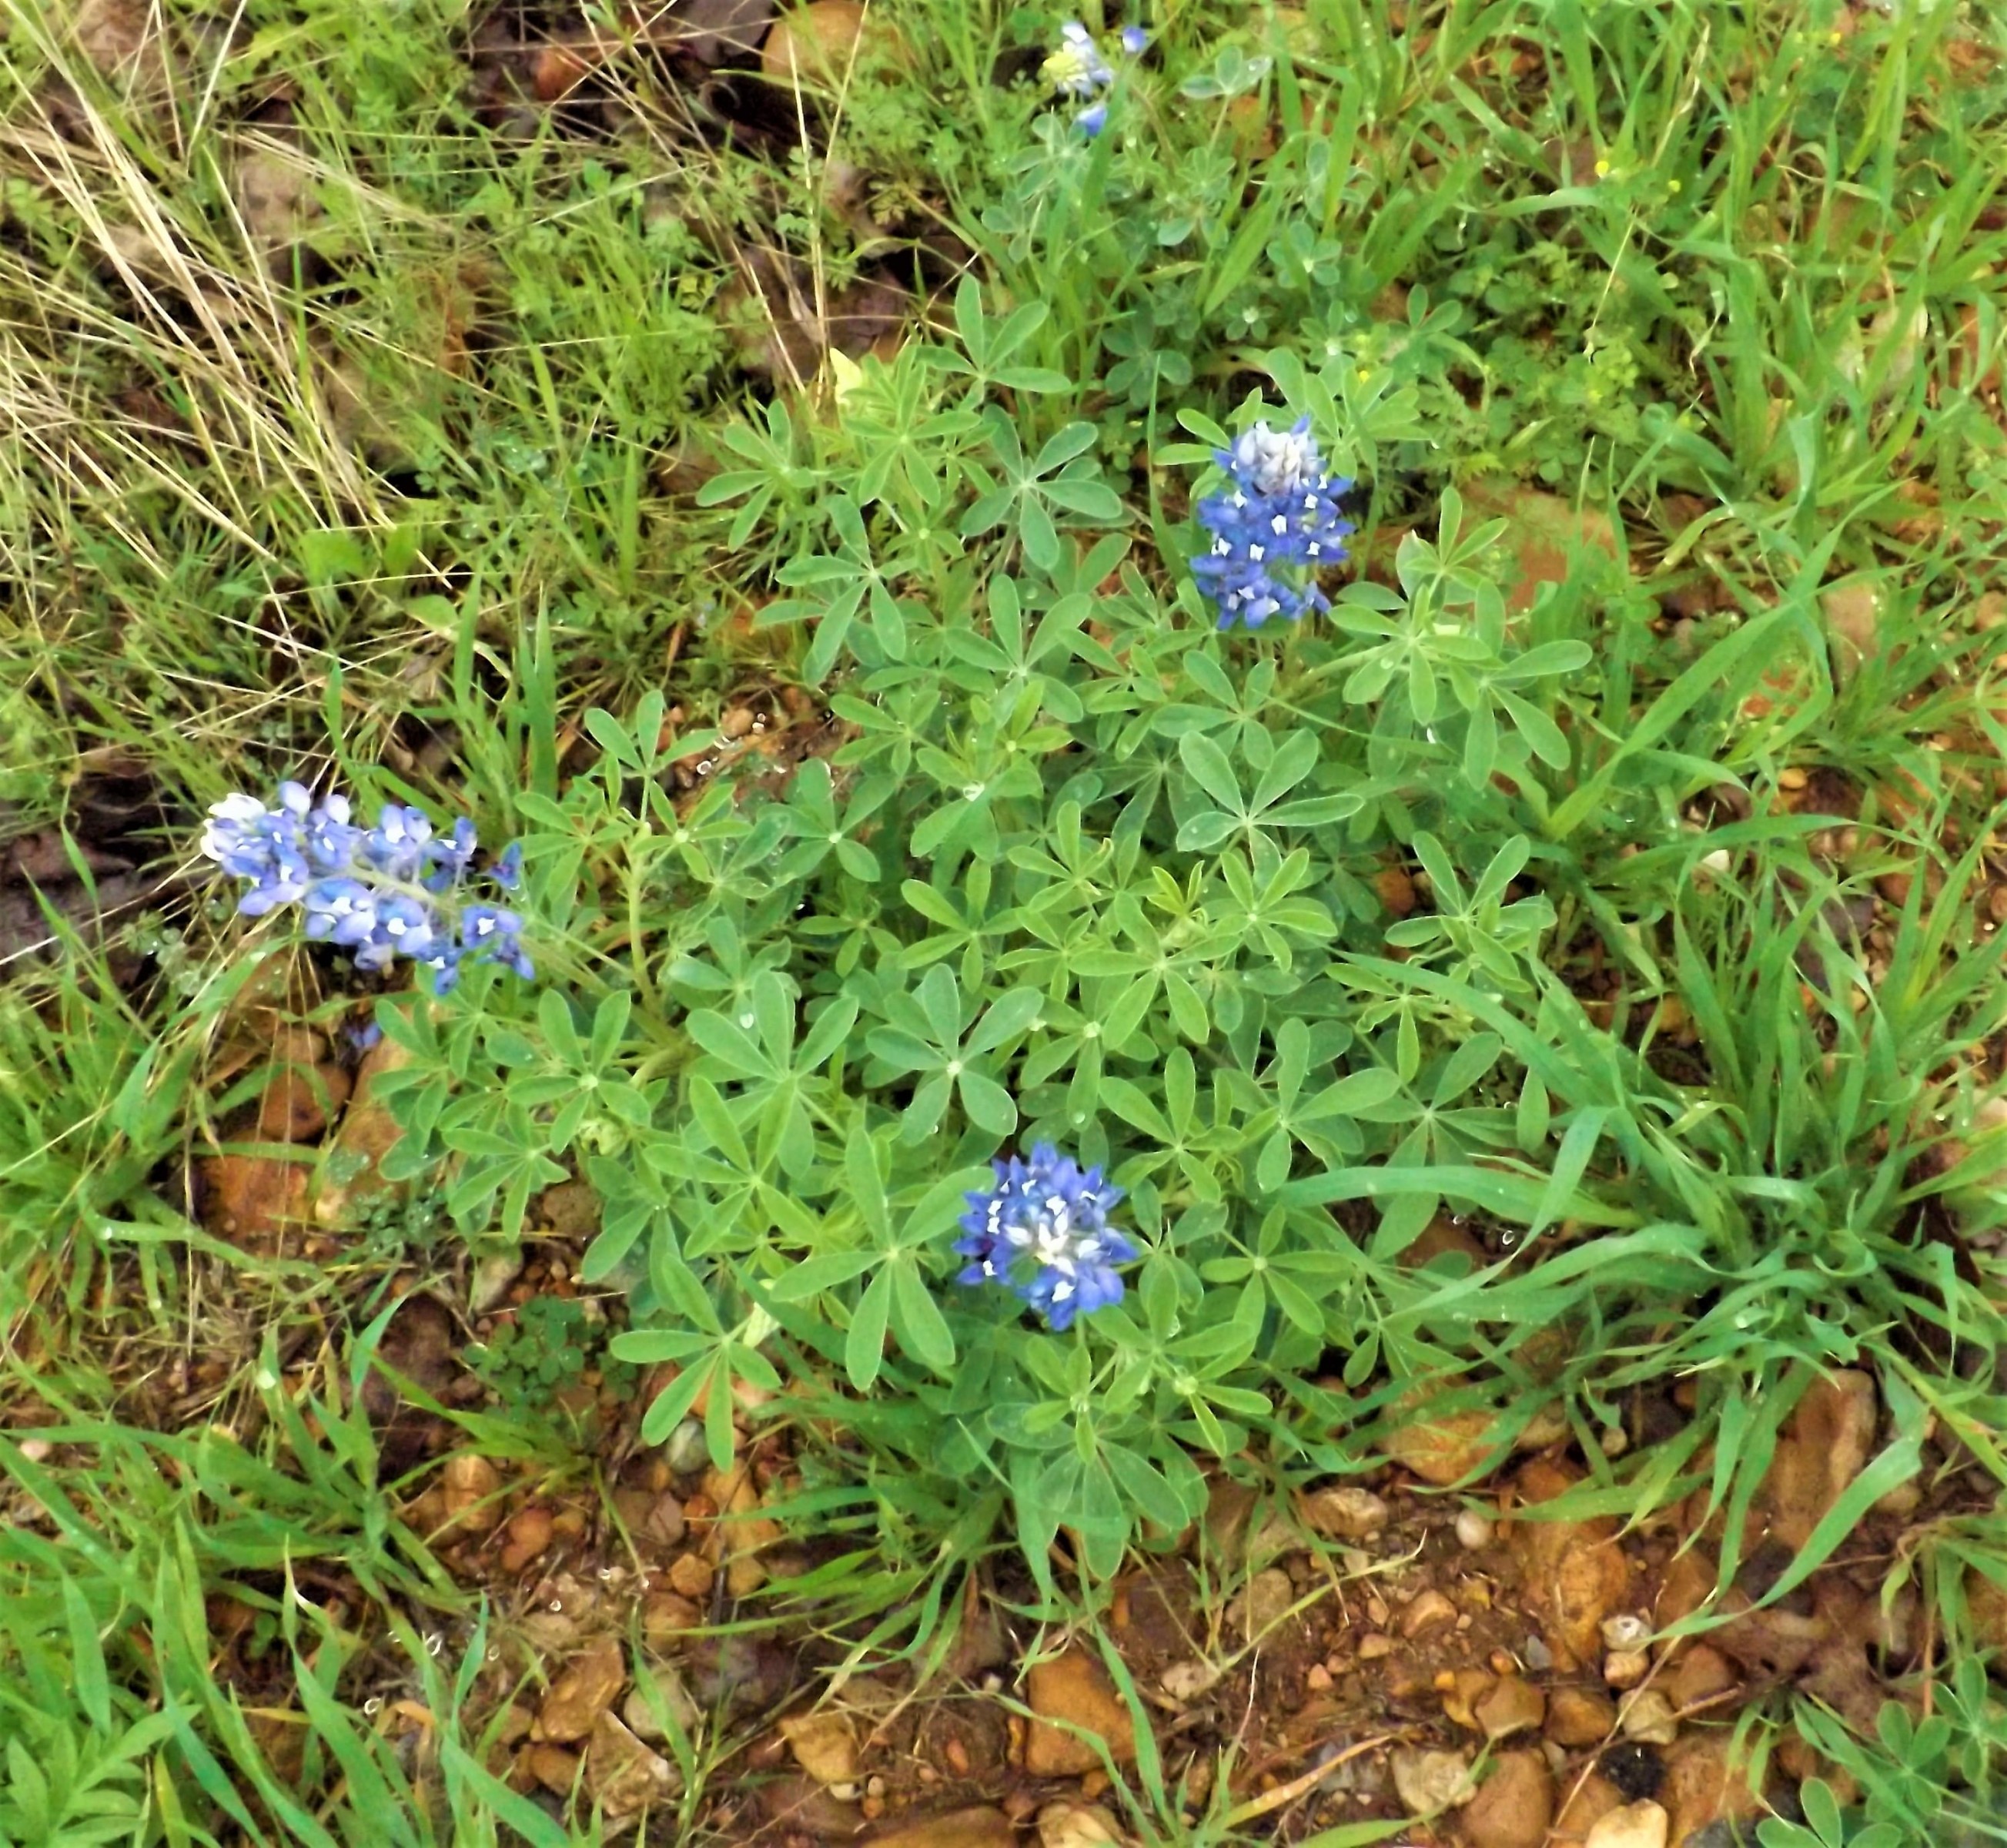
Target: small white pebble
[(1614, 1440), (1648, 1717), (36, 1450), (1626, 1668), (1473, 1530), (1626, 1633)]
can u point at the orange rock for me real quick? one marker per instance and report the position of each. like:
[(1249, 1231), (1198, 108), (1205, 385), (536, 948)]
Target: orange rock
[(553, 1767), (1467, 1687), (820, 43), (1515, 1807), (1512, 1706), (559, 70), (1427, 1610), (529, 1535), (958, 1828), (299, 1100), (471, 1485), (1828, 1438), (1580, 1717), (1441, 1237), (1700, 1674), (1250, 128), (1440, 1448), (1585, 1805), (571, 1209), (1688, 1584), (1702, 1786), (123, 40), (252, 1200), (1854, 620), (741, 1533), (622, 1775), (691, 1576), (1396, 889), (824, 1745), (588, 1687), (1549, 536), (1070, 1695), (665, 1617), (348, 1178), (1575, 1572)]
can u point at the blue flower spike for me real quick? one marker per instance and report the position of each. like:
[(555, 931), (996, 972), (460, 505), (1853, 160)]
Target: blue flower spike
[(398, 889), (1078, 70), (1274, 526), (1042, 1230)]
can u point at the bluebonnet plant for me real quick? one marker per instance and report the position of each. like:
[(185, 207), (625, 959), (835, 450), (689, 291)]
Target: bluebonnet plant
[(1078, 69), (1273, 526), (396, 889), (1042, 1230)]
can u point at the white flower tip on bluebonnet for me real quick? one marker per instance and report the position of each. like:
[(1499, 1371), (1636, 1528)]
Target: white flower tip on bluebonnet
[(1278, 461), (1274, 525), (1078, 69), (227, 820)]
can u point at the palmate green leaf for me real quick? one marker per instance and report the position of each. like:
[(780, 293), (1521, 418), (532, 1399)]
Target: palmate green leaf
[(715, 1117), (1210, 769), (917, 1324), (866, 1181), (988, 1103), (1036, 533), (864, 1342), (1202, 832)]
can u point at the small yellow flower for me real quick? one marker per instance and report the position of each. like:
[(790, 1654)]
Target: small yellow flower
[(1365, 372), (846, 375), (1672, 185), (1602, 170), (1067, 69)]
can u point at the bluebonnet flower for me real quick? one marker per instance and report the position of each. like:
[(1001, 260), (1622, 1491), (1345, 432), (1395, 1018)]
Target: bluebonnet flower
[(1273, 526), (394, 890), (250, 841), (1042, 1230), (497, 935), (396, 846), (1078, 69)]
